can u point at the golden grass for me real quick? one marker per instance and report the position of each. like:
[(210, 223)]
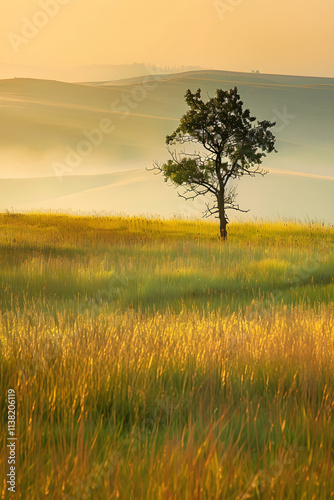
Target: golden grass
[(179, 401), (203, 405)]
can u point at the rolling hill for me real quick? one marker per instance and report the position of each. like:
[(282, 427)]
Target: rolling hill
[(85, 146)]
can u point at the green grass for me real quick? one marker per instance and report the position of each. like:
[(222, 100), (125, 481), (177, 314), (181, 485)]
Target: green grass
[(152, 361), (154, 264)]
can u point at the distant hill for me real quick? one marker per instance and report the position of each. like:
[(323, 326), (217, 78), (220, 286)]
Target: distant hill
[(91, 73), (44, 124)]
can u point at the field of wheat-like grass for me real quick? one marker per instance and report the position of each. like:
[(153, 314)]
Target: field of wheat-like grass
[(152, 361)]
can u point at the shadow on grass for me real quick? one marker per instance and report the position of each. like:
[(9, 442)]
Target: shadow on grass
[(230, 297), (12, 253)]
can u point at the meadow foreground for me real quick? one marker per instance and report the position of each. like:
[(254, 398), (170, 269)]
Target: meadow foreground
[(150, 360)]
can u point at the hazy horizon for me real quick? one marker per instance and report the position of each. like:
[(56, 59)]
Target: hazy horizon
[(277, 37), (85, 73), (89, 73)]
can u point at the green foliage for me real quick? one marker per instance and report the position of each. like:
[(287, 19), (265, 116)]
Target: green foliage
[(188, 171), (224, 129), (222, 125)]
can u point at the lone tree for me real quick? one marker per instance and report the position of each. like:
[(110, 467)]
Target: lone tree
[(231, 146)]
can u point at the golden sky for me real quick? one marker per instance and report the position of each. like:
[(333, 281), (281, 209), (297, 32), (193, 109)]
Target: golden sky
[(273, 36)]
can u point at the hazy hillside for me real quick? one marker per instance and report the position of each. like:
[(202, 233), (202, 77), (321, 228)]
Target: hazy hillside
[(136, 192), (43, 124), (91, 73)]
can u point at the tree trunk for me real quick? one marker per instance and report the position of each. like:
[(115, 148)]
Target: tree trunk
[(222, 217), (221, 199), (223, 230)]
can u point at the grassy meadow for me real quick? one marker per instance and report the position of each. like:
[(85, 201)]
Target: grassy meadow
[(153, 361)]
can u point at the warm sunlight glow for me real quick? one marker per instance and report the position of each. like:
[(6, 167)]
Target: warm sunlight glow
[(243, 35)]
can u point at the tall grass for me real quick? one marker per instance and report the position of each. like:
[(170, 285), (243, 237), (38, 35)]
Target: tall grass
[(152, 361)]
